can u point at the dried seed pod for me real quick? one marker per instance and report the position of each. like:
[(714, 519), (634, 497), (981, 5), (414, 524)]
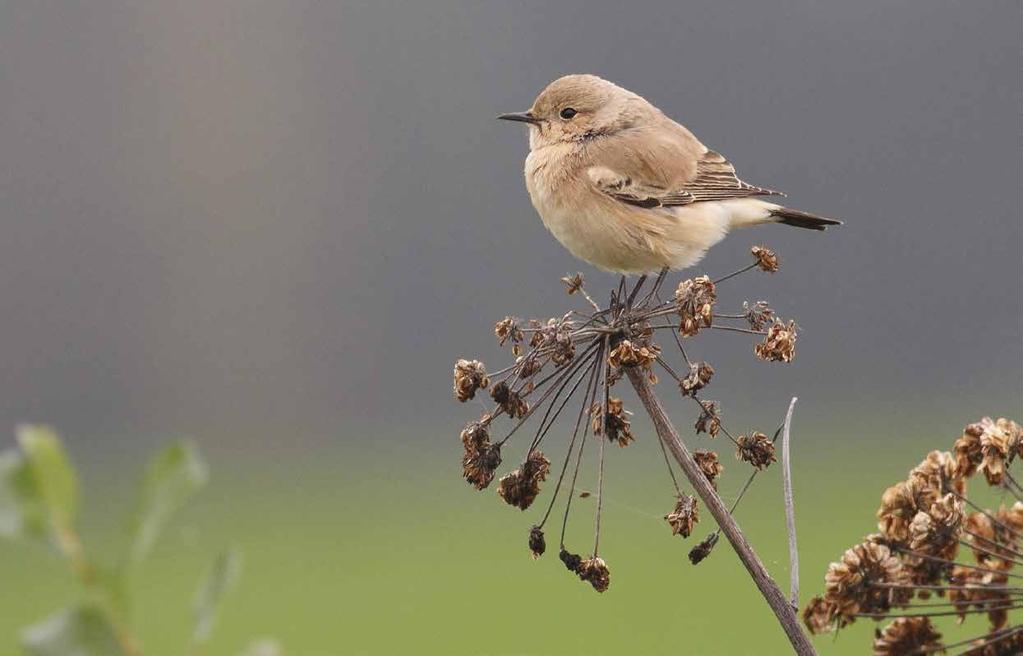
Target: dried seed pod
[(481, 458), (779, 344), (595, 572), (573, 562), (869, 579), (537, 543), (820, 615), (757, 315), (509, 328), (710, 420), (684, 516), (766, 259), (628, 354), (520, 487), (709, 465), (573, 283), (694, 302), (699, 377), (470, 376), (756, 449), (617, 426), (510, 401), (698, 553), (907, 635)]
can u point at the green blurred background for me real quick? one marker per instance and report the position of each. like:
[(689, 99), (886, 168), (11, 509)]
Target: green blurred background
[(273, 225), (382, 549)]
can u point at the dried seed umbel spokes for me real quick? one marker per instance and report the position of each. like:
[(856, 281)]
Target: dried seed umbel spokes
[(937, 543), (578, 358)]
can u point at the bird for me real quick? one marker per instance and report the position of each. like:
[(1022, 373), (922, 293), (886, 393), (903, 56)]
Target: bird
[(627, 189)]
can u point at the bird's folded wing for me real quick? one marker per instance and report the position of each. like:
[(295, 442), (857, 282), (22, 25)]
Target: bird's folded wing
[(713, 179)]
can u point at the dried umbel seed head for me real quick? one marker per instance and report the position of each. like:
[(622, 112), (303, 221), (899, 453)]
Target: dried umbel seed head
[(981, 590), (529, 366), (698, 553), (556, 336), (510, 328), (510, 401), (967, 450), (573, 562), (937, 531), (537, 543), (616, 424), (470, 376), (820, 615), (779, 344), (628, 354), (998, 441), (907, 635), (476, 433), (710, 419), (694, 302), (898, 508), (757, 315), (766, 259), (1006, 643), (573, 283), (709, 465), (756, 449), (699, 377), (684, 516), (935, 476), (993, 540), (481, 458), (595, 572), (520, 487), (866, 580)]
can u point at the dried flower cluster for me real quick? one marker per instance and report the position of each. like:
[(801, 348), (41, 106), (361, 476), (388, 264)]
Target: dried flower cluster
[(930, 531), (615, 420), (481, 458), (470, 376), (709, 465), (779, 344), (520, 486), (766, 259), (694, 301), (699, 377), (684, 516), (582, 356), (756, 449)]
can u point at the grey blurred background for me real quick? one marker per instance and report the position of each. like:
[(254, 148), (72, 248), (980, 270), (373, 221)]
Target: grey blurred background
[(276, 224)]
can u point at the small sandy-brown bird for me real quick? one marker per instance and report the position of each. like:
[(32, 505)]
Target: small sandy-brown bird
[(629, 190)]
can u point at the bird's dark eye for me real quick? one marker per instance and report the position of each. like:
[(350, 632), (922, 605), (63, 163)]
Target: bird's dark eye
[(568, 113)]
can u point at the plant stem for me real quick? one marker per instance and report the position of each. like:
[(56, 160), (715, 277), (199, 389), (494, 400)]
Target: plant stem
[(790, 510), (768, 588)]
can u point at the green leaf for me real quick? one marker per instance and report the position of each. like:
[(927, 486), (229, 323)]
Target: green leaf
[(173, 476), (221, 577), (21, 513), (81, 631), (55, 481)]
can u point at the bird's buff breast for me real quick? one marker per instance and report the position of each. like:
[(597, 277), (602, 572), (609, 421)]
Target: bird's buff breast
[(602, 231)]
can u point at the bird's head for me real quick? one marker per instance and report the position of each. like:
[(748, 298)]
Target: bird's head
[(575, 108)]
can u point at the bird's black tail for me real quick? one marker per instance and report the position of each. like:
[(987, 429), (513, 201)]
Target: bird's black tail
[(802, 219)]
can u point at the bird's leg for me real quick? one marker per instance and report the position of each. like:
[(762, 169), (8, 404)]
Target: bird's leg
[(657, 286), (635, 291), (616, 296)]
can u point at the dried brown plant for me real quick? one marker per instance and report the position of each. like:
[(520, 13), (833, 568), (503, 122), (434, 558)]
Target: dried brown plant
[(583, 355), (939, 552)]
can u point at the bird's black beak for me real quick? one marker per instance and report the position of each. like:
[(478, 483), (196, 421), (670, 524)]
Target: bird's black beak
[(522, 117)]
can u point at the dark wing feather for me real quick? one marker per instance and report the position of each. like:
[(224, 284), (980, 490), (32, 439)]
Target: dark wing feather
[(714, 179)]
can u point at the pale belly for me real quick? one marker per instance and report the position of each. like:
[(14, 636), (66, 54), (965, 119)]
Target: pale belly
[(626, 239)]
